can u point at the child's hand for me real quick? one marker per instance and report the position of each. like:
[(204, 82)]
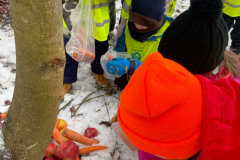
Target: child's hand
[(118, 66)]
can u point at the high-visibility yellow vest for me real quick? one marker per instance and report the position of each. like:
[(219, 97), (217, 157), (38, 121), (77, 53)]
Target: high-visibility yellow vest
[(171, 7), (232, 8), (102, 19), (126, 8), (138, 50)]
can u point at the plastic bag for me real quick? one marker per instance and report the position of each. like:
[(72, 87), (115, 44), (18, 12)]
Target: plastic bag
[(107, 57), (81, 45), (116, 127)]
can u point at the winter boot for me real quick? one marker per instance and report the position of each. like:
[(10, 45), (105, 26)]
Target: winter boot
[(66, 88), (101, 80)]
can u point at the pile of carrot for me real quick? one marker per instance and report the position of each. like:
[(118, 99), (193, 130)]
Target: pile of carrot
[(87, 53), (61, 136), (57, 136)]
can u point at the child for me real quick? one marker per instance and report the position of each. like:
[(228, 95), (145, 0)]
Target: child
[(197, 36), (173, 114), (231, 15), (126, 7), (143, 31), (101, 14)]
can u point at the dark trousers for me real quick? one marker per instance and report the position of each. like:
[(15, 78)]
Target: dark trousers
[(233, 22), (121, 82), (71, 66)]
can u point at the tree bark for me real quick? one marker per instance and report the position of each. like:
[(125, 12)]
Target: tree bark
[(40, 62)]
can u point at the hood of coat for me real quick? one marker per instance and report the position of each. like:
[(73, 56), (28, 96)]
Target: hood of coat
[(221, 119)]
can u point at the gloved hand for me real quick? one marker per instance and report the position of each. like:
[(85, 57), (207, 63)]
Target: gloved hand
[(118, 66)]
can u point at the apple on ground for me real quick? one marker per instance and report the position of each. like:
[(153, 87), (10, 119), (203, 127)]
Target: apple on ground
[(67, 150), (90, 132), (50, 158), (50, 150), (62, 124)]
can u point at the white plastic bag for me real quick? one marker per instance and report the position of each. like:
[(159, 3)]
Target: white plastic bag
[(81, 45), (105, 59)]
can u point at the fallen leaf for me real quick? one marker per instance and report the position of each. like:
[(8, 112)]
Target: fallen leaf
[(7, 102), (79, 115), (98, 109), (107, 124), (72, 109)]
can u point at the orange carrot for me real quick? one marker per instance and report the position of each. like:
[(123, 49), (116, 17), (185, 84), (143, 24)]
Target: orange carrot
[(87, 53), (57, 123), (91, 149), (3, 116), (110, 57), (57, 136), (75, 55), (72, 135)]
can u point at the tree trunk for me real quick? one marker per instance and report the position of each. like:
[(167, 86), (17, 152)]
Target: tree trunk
[(40, 62)]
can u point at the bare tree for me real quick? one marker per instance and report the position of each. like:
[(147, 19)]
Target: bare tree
[(40, 63)]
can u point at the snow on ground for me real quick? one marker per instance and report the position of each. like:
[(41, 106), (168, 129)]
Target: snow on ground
[(91, 113)]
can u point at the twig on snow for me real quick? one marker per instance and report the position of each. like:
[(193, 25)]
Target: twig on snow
[(66, 105), (86, 100), (107, 108)]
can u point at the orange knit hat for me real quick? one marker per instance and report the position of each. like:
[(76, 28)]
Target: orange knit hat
[(161, 109)]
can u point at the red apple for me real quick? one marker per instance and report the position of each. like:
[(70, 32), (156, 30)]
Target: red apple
[(50, 150), (90, 132), (67, 150), (50, 159)]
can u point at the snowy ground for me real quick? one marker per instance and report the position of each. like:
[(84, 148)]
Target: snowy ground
[(90, 114)]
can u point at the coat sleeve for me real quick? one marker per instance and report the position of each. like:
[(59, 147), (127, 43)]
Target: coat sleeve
[(134, 66), (221, 119), (120, 47)]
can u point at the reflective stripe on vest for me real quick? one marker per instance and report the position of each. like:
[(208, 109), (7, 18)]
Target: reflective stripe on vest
[(102, 19), (140, 51), (102, 24), (95, 6), (171, 8), (126, 9), (232, 8)]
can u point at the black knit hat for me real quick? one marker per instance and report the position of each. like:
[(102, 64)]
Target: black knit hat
[(153, 9), (197, 38)]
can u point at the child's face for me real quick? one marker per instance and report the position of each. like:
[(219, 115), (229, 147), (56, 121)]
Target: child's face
[(138, 26)]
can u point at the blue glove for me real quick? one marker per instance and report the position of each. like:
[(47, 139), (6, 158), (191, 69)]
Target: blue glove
[(118, 66)]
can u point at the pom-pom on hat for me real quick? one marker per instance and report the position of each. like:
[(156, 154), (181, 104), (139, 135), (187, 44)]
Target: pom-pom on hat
[(197, 38)]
